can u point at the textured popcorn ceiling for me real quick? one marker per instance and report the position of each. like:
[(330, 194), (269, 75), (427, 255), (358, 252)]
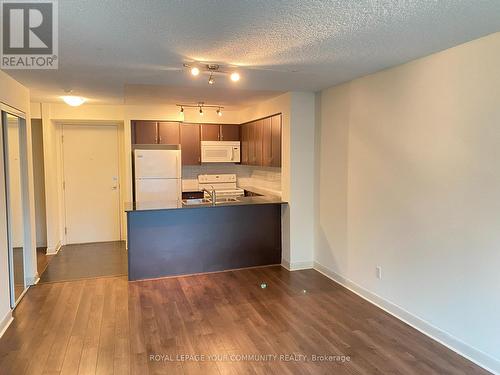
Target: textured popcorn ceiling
[(280, 45)]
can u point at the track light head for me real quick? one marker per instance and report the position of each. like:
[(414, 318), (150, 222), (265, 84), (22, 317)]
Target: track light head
[(235, 76), (195, 71), (219, 112)]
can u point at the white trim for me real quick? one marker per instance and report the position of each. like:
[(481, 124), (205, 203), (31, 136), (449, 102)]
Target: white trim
[(13, 111), (32, 280), (5, 323), (285, 264), (475, 355), (55, 250), (296, 266)]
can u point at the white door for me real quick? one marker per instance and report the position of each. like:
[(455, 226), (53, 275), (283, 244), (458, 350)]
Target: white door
[(91, 184)]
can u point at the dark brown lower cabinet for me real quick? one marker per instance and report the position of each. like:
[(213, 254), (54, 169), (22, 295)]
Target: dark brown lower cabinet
[(190, 144)]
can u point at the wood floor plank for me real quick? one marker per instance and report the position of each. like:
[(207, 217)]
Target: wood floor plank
[(110, 326)]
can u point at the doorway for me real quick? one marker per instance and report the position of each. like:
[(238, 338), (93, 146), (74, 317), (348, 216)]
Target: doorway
[(91, 183)]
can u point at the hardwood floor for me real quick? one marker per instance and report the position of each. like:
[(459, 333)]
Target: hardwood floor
[(42, 259), (110, 326), (83, 261)]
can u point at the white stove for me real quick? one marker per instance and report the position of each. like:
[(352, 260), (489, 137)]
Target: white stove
[(223, 184)]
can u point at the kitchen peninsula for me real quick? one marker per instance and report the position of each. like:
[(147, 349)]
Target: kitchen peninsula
[(202, 237)]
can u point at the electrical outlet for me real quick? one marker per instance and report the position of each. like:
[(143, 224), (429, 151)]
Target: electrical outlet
[(378, 272)]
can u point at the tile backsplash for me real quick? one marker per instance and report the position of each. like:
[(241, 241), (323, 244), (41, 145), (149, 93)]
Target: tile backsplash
[(268, 178)]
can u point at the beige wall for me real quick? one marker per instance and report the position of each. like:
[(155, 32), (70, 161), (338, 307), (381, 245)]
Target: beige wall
[(409, 180)]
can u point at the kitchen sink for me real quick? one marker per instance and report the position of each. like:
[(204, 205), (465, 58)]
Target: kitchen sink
[(226, 200), (207, 201), (196, 201)]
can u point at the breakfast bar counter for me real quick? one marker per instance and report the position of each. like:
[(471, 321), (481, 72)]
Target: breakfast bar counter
[(168, 239)]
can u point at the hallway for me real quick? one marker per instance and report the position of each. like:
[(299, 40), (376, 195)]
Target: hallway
[(83, 261)]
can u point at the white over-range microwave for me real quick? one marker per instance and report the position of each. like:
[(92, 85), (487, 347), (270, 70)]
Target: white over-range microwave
[(220, 151)]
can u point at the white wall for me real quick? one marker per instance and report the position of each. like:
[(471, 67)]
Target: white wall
[(409, 181)]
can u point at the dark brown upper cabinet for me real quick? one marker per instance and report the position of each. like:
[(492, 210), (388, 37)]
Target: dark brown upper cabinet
[(169, 133), (144, 132), (267, 136), (153, 132), (245, 132), (261, 142), (229, 132), (258, 142), (210, 132), (190, 144), (276, 137), (213, 132)]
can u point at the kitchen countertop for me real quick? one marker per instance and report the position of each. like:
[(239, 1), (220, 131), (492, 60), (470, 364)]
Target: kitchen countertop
[(169, 205)]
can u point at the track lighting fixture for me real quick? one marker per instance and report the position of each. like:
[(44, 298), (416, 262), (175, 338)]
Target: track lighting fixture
[(201, 106), (212, 69)]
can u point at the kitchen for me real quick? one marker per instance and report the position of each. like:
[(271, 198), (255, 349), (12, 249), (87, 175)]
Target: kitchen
[(182, 166)]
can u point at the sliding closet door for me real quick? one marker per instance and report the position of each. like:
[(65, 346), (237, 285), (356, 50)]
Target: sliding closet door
[(11, 132)]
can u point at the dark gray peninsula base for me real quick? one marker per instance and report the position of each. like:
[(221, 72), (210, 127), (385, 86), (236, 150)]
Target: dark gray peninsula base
[(168, 242)]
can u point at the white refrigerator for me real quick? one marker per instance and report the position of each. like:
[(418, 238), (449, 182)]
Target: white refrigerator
[(158, 176)]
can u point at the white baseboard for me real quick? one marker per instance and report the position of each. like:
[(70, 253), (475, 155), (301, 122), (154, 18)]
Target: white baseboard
[(296, 266), (5, 323), (54, 250), (32, 280), (477, 356)]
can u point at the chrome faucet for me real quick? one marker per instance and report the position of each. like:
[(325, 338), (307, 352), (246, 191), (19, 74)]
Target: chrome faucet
[(211, 193)]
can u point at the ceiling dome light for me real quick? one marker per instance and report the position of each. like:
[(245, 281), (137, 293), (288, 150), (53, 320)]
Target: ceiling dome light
[(195, 71), (235, 77), (73, 101), (219, 112)]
